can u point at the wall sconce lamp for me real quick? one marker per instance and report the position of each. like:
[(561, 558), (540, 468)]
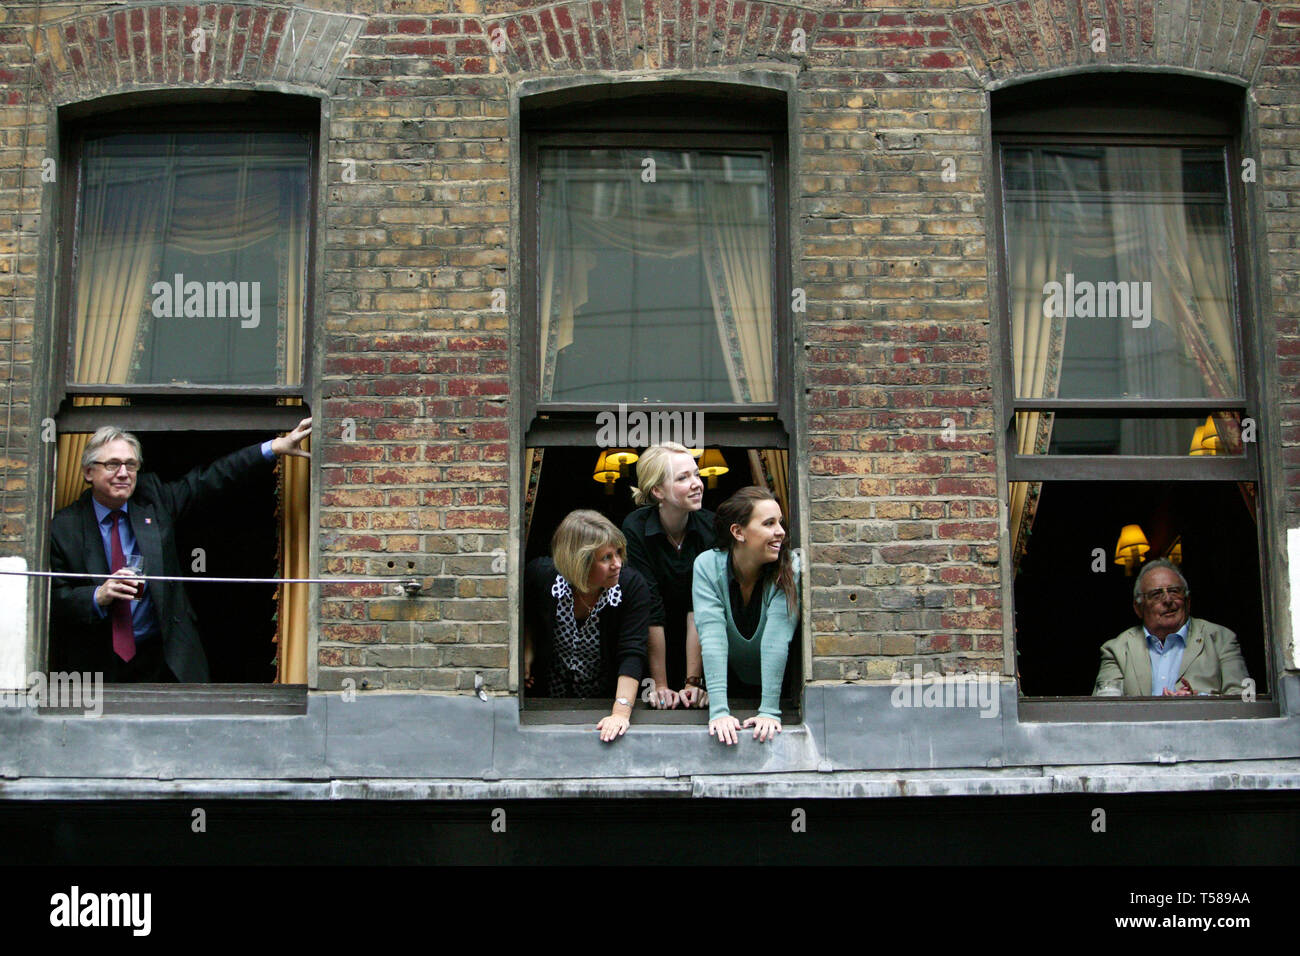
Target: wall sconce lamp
[(712, 465), (620, 458), (1206, 439), (605, 473), (1131, 549)]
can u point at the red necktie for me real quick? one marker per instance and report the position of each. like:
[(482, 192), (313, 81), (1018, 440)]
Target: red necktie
[(120, 611)]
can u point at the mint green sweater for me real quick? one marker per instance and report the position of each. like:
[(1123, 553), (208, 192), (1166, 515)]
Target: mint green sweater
[(758, 660)]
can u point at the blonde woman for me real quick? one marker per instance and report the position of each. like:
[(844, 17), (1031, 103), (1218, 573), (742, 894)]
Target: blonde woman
[(664, 536), (585, 619)]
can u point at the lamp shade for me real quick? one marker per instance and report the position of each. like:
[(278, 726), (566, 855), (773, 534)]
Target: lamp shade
[(1132, 545), (1198, 442), (1210, 436), (604, 473), (620, 457), (712, 465)]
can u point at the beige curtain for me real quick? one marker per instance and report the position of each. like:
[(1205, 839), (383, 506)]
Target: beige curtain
[(1204, 312), (738, 260), (217, 212), (733, 237), (738, 257), (1184, 246), (1149, 237), (1152, 230), (1035, 257), (532, 478), (295, 473), (123, 229), (565, 266), (120, 254)]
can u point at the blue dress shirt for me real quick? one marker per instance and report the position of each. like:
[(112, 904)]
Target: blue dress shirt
[(143, 620), (1167, 660)]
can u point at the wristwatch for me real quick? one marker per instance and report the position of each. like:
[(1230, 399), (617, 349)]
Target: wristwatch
[(623, 700), (695, 682)]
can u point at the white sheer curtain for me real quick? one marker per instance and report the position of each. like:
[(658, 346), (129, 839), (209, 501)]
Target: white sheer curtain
[(726, 224)]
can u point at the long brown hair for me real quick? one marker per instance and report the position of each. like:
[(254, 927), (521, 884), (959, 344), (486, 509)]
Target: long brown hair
[(737, 510)]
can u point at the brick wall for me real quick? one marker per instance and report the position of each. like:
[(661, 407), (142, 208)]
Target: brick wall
[(902, 526)]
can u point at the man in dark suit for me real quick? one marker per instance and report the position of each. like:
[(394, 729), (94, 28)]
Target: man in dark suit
[(131, 630)]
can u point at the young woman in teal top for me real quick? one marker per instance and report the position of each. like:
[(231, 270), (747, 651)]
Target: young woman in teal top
[(746, 597)]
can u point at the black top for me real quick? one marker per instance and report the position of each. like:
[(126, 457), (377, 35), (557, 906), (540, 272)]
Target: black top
[(622, 631), (668, 572), (746, 615)]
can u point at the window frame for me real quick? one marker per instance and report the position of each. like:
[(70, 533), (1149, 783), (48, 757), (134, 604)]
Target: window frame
[(574, 423), (1030, 116), (1125, 467), (703, 116), (200, 408), (193, 407)]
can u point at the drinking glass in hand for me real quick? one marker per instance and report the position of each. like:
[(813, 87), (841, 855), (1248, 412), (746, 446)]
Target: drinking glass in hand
[(135, 564)]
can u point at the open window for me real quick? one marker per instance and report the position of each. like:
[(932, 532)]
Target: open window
[(1129, 380), (655, 295), (183, 318)]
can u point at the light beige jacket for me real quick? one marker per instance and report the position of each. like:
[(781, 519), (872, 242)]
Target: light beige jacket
[(1212, 661)]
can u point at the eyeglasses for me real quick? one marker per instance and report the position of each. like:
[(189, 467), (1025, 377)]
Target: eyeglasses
[(1155, 594), (112, 465)]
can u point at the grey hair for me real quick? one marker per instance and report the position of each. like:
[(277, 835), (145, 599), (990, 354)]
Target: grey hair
[(102, 437), (1151, 566)]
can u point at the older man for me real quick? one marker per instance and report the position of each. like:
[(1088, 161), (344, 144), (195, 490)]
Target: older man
[(129, 630), (1172, 653)]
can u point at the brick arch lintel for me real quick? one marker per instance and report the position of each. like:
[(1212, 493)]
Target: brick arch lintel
[(1008, 40), (590, 36), (774, 76), (144, 46), (1093, 69)]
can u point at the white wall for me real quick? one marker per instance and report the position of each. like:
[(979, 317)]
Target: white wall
[(13, 625)]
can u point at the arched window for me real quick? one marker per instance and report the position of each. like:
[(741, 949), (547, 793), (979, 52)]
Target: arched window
[(656, 299), (1129, 378), (184, 318)]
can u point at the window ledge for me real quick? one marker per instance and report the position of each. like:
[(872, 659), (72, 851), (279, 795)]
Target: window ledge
[(1111, 710), (551, 711), (196, 700)]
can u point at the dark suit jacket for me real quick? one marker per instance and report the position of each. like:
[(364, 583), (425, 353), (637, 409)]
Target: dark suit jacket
[(80, 639)]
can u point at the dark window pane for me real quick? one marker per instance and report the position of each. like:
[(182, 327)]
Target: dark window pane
[(1120, 281), (191, 259), (655, 290), (1066, 608), (1130, 436)]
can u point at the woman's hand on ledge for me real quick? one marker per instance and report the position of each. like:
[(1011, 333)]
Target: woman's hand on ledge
[(692, 696), (661, 696), (612, 726), (765, 728), (725, 728)]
